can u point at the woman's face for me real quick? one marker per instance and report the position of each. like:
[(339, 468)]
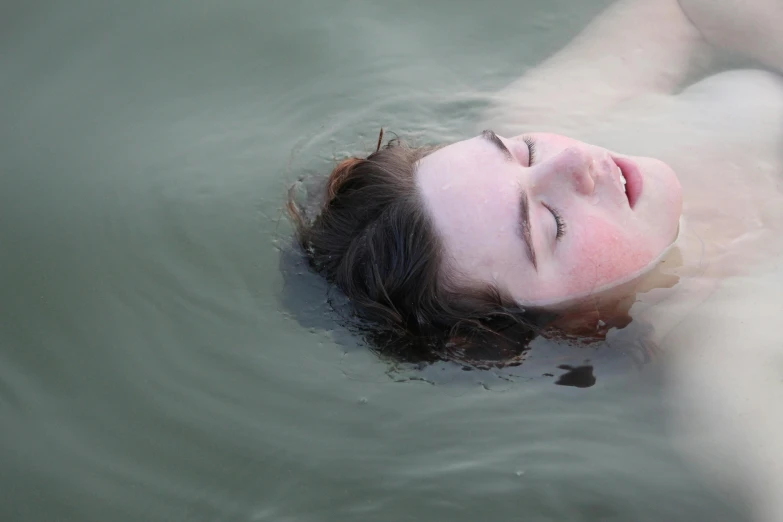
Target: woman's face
[(547, 218)]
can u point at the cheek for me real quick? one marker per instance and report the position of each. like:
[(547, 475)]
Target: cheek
[(604, 253)]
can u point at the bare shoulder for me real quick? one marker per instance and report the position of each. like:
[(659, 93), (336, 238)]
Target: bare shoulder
[(634, 49), (739, 85), (747, 101)]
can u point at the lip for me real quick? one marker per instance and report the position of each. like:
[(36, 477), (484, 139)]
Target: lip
[(633, 178)]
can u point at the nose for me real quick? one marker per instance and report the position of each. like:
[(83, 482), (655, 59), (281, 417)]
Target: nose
[(574, 166)]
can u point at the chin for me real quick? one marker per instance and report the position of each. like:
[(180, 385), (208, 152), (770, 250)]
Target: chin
[(675, 200), (661, 171), (665, 193)]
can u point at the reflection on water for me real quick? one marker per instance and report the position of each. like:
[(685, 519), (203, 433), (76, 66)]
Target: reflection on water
[(150, 368)]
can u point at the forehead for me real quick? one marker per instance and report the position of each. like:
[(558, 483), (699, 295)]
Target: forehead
[(459, 151), (462, 164), (472, 194)]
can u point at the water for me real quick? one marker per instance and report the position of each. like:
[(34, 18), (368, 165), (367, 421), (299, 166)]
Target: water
[(154, 362)]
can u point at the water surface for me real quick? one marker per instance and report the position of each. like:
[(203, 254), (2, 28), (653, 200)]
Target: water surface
[(154, 363)]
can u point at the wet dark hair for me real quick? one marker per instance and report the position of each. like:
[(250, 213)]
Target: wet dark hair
[(372, 238)]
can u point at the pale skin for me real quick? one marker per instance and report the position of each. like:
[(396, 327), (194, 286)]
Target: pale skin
[(619, 90)]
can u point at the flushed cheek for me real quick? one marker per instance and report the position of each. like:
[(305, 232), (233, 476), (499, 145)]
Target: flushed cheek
[(601, 254)]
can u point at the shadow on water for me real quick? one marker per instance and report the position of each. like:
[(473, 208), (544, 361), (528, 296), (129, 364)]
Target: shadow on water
[(579, 377)]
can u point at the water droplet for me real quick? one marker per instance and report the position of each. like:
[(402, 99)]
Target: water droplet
[(363, 400)]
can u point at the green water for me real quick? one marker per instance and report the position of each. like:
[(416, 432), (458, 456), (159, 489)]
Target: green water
[(154, 362)]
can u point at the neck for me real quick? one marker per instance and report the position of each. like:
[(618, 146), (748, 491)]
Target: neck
[(734, 221)]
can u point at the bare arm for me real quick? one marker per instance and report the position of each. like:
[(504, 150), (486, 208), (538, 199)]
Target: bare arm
[(635, 47), (753, 28)]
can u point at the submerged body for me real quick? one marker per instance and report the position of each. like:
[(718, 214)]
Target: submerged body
[(723, 136), (593, 157), (578, 189)]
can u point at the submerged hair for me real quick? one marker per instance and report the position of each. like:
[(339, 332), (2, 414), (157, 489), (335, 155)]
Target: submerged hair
[(372, 238)]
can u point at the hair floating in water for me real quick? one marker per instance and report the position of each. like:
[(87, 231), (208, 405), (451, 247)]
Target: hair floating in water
[(380, 139), (339, 175)]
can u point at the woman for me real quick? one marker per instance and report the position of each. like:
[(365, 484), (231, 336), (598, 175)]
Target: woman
[(598, 160)]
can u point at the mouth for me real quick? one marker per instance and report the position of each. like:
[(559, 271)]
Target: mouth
[(631, 179)]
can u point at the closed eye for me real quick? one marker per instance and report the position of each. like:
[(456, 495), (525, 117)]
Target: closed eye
[(531, 151), (561, 225)]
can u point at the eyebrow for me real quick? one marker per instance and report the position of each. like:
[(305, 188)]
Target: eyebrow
[(491, 137), (523, 230)]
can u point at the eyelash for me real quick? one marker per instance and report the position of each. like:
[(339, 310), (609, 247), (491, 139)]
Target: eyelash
[(561, 226), (531, 147)]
